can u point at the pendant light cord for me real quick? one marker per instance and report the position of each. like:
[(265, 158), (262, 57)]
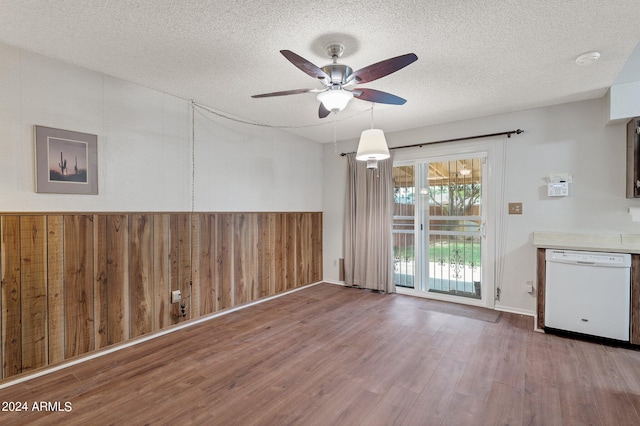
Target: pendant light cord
[(372, 105)]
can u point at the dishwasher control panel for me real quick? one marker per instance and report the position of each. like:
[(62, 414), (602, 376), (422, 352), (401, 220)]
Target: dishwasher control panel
[(589, 258)]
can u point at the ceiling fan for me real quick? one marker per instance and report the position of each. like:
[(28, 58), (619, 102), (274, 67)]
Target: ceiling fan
[(338, 80)]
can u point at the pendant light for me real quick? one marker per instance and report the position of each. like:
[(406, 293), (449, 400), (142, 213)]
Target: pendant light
[(372, 146)]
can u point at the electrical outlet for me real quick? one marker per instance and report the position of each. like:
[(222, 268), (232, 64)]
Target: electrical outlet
[(176, 296), (515, 208)]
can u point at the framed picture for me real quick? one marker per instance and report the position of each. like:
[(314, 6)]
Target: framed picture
[(66, 161)]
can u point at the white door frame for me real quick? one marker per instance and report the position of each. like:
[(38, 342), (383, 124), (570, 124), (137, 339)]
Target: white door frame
[(493, 190)]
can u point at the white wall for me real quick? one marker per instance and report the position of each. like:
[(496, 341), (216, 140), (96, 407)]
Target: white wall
[(144, 147), (569, 138)]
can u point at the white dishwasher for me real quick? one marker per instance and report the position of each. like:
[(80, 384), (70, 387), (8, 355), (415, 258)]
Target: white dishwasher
[(588, 292)]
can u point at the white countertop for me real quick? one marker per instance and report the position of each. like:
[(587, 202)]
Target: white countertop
[(615, 243)]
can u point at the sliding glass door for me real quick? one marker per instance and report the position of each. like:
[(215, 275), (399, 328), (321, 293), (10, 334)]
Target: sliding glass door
[(439, 227)]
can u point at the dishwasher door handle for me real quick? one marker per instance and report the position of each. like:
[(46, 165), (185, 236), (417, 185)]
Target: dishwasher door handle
[(580, 262)]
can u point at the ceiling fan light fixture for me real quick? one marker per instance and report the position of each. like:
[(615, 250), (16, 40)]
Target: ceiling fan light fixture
[(372, 146), (335, 100)]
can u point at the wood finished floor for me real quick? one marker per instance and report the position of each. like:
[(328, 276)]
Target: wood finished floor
[(329, 355)]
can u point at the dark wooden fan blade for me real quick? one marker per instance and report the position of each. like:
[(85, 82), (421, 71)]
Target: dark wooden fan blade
[(380, 69), (304, 65), (322, 111), (378, 97), (283, 93)]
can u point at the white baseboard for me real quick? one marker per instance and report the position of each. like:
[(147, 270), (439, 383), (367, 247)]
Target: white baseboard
[(515, 311), (334, 282)]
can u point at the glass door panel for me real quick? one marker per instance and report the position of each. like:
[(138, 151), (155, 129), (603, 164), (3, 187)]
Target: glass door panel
[(455, 227), (404, 226), (438, 227)]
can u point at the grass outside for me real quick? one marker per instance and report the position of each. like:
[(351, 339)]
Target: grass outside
[(468, 254)]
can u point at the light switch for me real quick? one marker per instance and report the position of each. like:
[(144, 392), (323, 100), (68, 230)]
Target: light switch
[(176, 296), (515, 208)]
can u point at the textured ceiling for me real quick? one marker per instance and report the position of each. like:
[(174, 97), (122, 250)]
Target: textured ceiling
[(476, 58)]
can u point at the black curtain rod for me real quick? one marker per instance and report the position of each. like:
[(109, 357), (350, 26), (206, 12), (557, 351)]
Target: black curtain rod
[(420, 145)]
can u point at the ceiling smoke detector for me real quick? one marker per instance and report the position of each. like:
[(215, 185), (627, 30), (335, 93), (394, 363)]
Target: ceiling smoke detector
[(588, 58)]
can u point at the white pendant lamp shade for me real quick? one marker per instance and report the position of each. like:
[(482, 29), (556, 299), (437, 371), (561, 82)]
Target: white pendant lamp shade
[(372, 146), (335, 100)]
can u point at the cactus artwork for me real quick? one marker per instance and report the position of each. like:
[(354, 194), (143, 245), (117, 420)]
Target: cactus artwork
[(66, 161), (62, 164)]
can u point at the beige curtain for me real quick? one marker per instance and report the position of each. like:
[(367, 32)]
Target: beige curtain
[(368, 258)]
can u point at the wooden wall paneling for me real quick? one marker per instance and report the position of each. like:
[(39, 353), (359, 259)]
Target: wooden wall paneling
[(206, 260), (33, 295), (280, 253), (635, 299), (184, 264), (100, 294), (194, 265), (118, 317), (85, 298), (223, 272), (174, 256), (180, 255), (78, 273), (10, 260), (161, 271), (317, 259), (244, 257), (141, 300), (541, 278), (291, 251), (305, 249), (265, 279), (55, 284)]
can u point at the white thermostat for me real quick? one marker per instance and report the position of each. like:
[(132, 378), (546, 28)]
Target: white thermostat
[(558, 185), (558, 189)]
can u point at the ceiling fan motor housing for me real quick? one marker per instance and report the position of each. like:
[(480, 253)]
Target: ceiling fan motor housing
[(338, 73)]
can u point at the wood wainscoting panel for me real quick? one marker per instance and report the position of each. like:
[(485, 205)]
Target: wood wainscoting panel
[(291, 250), (117, 278), (100, 289), (141, 301), (264, 255), (55, 285), (305, 249), (180, 264), (280, 256), (244, 257), (11, 289), (33, 269), (316, 237), (161, 271), (194, 265), (207, 248), (78, 282), (223, 273), (73, 283)]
